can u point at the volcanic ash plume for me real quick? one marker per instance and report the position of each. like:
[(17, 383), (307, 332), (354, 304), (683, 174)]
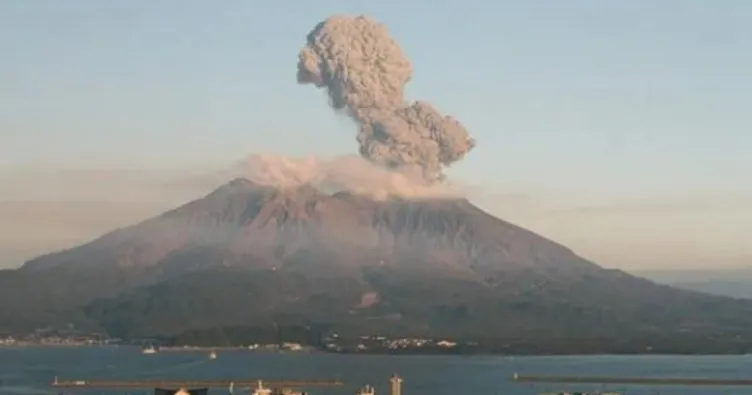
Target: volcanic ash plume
[(365, 72), (350, 173)]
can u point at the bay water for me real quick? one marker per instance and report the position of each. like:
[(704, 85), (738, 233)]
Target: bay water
[(30, 370)]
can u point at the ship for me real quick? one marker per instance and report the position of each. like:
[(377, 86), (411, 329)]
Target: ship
[(150, 349)]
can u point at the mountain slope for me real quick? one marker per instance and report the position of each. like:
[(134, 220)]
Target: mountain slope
[(249, 224), (249, 255)]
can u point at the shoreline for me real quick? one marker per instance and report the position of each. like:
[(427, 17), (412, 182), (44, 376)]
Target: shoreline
[(407, 353), (202, 348)]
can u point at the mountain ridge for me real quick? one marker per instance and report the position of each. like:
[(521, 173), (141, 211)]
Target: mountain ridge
[(261, 209)]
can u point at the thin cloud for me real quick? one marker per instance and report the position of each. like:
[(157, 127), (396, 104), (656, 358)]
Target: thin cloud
[(662, 206)]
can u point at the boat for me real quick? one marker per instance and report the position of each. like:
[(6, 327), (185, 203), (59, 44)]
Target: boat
[(150, 349), (212, 355)]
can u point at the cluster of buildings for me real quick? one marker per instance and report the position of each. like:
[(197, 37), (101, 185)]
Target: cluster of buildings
[(49, 341), (68, 336), (376, 343), (333, 343), (252, 347), (278, 347), (414, 343)]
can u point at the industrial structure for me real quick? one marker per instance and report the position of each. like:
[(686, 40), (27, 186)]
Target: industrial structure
[(201, 387), (396, 382), (281, 387)]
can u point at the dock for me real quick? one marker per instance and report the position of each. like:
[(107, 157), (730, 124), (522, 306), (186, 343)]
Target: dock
[(124, 384), (633, 380)]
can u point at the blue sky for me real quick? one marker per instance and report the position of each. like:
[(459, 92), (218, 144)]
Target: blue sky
[(608, 104)]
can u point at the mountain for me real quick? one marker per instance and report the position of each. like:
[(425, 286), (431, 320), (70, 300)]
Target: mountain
[(247, 258)]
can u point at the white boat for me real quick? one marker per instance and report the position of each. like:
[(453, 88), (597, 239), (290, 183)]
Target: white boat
[(149, 350), (212, 355)]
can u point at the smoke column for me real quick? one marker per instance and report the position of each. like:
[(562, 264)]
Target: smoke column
[(364, 72)]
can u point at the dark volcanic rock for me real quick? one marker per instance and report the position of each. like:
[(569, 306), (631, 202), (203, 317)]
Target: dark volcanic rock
[(249, 225)]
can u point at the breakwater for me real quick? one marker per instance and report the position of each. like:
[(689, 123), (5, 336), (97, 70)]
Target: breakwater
[(122, 384), (632, 380)]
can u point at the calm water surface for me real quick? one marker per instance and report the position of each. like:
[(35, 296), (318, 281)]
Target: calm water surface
[(30, 370)]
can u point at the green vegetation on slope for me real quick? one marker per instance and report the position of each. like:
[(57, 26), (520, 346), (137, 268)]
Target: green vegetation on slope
[(527, 314)]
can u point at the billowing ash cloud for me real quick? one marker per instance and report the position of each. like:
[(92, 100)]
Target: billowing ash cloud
[(365, 72), (345, 173)]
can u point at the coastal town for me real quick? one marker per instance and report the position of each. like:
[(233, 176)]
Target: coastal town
[(331, 343), (336, 343), (54, 340)]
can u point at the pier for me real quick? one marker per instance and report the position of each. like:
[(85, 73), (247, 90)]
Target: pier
[(125, 384), (632, 380)]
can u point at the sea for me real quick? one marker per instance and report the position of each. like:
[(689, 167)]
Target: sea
[(30, 370)]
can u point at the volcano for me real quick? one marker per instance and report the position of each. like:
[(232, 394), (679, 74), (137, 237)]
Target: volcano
[(249, 255)]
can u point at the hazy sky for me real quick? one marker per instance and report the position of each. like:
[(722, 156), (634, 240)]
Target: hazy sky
[(619, 128)]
